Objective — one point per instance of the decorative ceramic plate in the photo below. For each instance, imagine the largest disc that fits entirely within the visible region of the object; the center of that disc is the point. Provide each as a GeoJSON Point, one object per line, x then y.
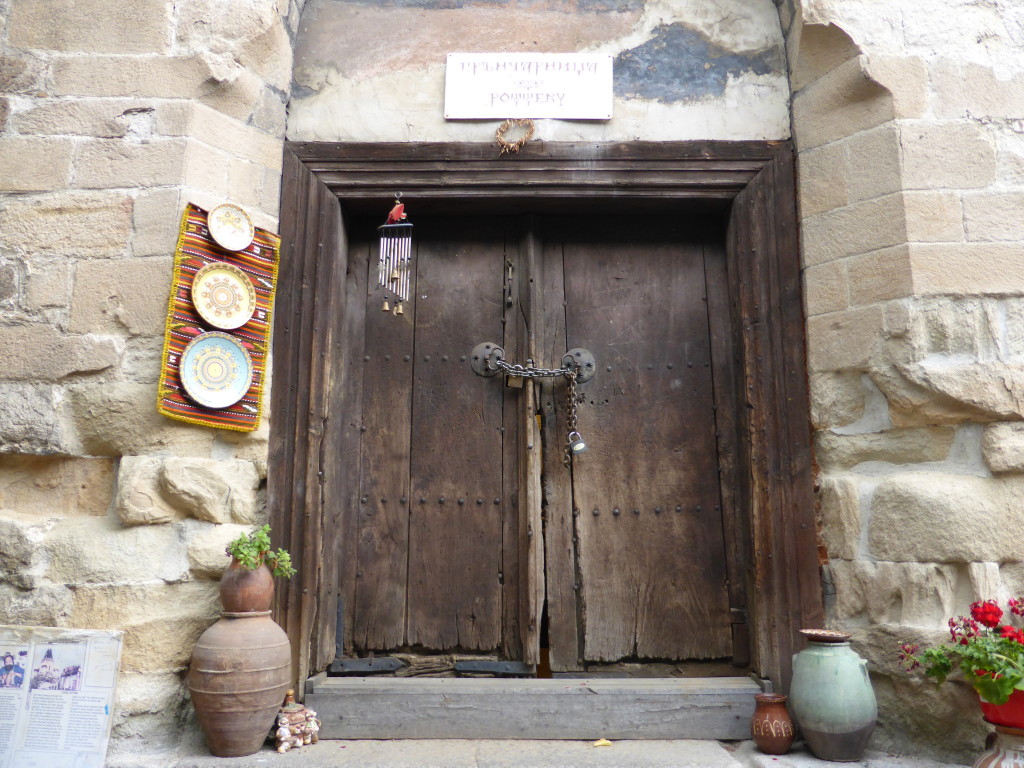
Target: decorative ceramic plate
{"type": "Point", "coordinates": [825, 635]}
{"type": "Point", "coordinates": [216, 371]}
{"type": "Point", "coordinates": [223, 295]}
{"type": "Point", "coordinates": [230, 226]}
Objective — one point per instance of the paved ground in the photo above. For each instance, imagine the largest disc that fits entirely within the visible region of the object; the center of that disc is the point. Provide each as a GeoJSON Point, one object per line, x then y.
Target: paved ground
{"type": "Point", "coordinates": [511, 754]}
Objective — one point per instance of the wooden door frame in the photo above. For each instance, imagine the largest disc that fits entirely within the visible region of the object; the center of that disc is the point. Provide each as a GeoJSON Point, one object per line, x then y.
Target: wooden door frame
{"type": "Point", "coordinates": [756, 179]}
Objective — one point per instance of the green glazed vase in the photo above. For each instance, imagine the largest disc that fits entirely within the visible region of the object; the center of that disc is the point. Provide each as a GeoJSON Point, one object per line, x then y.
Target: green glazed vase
{"type": "Point", "coordinates": [831, 697]}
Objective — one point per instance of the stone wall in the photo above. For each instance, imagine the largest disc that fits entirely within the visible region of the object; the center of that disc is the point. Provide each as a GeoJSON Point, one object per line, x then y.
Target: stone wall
{"type": "Point", "coordinates": [910, 131]}
{"type": "Point", "coordinates": [112, 117]}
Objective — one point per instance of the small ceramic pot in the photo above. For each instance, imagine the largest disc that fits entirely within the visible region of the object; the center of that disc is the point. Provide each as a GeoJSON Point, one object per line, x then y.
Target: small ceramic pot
{"type": "Point", "coordinates": [242, 589]}
{"type": "Point", "coordinates": [1007, 752]}
{"type": "Point", "coordinates": [771, 727]}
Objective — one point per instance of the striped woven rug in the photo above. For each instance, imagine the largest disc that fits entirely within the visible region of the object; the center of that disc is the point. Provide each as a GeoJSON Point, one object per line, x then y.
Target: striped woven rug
{"type": "Point", "coordinates": [196, 249]}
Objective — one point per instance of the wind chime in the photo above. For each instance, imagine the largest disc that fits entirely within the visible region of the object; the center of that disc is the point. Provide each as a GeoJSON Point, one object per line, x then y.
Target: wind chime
{"type": "Point", "coordinates": [395, 267]}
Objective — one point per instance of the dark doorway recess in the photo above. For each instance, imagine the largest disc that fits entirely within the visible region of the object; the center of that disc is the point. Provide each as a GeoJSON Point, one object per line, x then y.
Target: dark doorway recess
{"type": "Point", "coordinates": [685, 534]}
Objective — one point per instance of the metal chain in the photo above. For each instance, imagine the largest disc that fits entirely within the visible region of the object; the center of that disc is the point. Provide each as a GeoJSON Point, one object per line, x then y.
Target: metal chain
{"type": "Point", "coordinates": [529, 372]}
{"type": "Point", "coordinates": [570, 409]}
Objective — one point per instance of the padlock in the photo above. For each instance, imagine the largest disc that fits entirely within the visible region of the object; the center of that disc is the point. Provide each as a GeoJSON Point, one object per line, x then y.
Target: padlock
{"type": "Point", "coordinates": [576, 444]}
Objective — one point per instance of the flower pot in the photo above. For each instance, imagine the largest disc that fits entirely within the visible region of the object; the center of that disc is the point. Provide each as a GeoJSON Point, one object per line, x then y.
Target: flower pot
{"type": "Point", "coordinates": [1009, 714]}
{"type": "Point", "coordinates": [831, 697]}
{"type": "Point", "coordinates": [240, 672]}
{"type": "Point", "coordinates": [242, 589]}
{"type": "Point", "coordinates": [771, 726]}
{"type": "Point", "coordinates": [1007, 752]}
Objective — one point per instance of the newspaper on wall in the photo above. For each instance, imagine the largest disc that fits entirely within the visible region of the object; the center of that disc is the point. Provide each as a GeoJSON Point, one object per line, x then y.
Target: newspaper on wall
{"type": "Point", "coordinates": [56, 696]}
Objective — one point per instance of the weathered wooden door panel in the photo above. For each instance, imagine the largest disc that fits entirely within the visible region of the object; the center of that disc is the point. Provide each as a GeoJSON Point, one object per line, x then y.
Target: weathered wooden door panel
{"type": "Point", "coordinates": [432, 510]}
{"type": "Point", "coordinates": [455, 536]}
{"type": "Point", "coordinates": [651, 553]}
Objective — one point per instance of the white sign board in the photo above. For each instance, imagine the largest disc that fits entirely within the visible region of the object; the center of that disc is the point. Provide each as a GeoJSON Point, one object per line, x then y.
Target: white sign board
{"type": "Point", "coordinates": [56, 696]}
{"type": "Point", "coordinates": [571, 86]}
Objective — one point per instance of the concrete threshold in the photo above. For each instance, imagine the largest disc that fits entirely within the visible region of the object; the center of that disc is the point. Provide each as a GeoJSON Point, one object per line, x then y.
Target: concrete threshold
{"type": "Point", "coordinates": [519, 753]}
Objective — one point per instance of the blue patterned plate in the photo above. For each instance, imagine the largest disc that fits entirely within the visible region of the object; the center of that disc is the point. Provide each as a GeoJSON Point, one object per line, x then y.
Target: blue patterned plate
{"type": "Point", "coordinates": [216, 370]}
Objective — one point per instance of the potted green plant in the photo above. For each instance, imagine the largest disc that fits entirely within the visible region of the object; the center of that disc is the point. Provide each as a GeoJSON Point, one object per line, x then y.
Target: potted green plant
{"type": "Point", "coordinates": [988, 650]}
{"type": "Point", "coordinates": [248, 582]}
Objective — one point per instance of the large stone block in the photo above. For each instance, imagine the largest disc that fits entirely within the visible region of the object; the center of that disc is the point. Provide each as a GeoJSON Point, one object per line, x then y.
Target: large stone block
{"type": "Point", "coordinates": [47, 605]}
{"type": "Point", "coordinates": [42, 353]}
{"type": "Point", "coordinates": [68, 224]}
{"type": "Point", "coordinates": [91, 26]}
{"type": "Point", "coordinates": [156, 218]}
{"type": "Point", "coordinates": [137, 76]}
{"type": "Point", "coordinates": [89, 550]}
{"type": "Point", "coordinates": [972, 90]}
{"type": "Point", "coordinates": [148, 712]}
{"type": "Point", "coordinates": [219, 491]}
{"type": "Point", "coordinates": [28, 420]}
{"type": "Point", "coordinates": [880, 275]}
{"type": "Point", "coordinates": [956, 328]}
{"type": "Point", "coordinates": [859, 228]}
{"type": "Point", "coordinates": [207, 547]}
{"type": "Point", "coordinates": [114, 163]}
{"type": "Point", "coordinates": [237, 96]}
{"type": "Point", "coordinates": [934, 217]}
{"type": "Point", "coordinates": [839, 502]}
{"type": "Point", "coordinates": [139, 500]}
{"type": "Point", "coordinates": [33, 164]}
{"type": "Point", "coordinates": [1003, 447]}
{"type": "Point", "coordinates": [843, 340]}
{"type": "Point", "coordinates": [122, 296]}
{"type": "Point", "coordinates": [56, 486]}
{"type": "Point", "coordinates": [220, 131]}
{"type": "Point", "coordinates": [102, 118]}
{"type": "Point", "coordinates": [967, 269]}
{"type": "Point", "coordinates": [907, 594]}
{"type": "Point", "coordinates": [839, 104]}
{"type": "Point", "coordinates": [942, 518]}
{"type": "Point", "coordinates": [48, 284]}
{"type": "Point", "coordinates": [986, 391]}
{"type": "Point", "coordinates": [906, 79]}
{"type": "Point", "coordinates": [994, 215]}
{"type": "Point", "coordinates": [837, 398]}
{"type": "Point", "coordinates": [898, 446]}
{"type": "Point", "coordinates": [956, 155]}
{"type": "Point", "coordinates": [120, 419]}
{"type": "Point", "coordinates": [21, 558]}
{"type": "Point", "coordinates": [269, 54]}
{"type": "Point", "coordinates": [161, 622]}
{"type": "Point", "coordinates": [827, 287]}
{"type": "Point", "coordinates": [19, 74]}
{"type": "Point", "coordinates": [207, 168]}
{"type": "Point", "coordinates": [874, 163]}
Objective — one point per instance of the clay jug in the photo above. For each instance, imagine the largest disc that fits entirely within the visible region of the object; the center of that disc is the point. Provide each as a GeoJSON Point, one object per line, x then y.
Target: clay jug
{"type": "Point", "coordinates": [1007, 752]}
{"type": "Point", "coordinates": [244, 589]}
{"type": "Point", "coordinates": [831, 697]}
{"type": "Point", "coordinates": [771, 726]}
{"type": "Point", "coordinates": [240, 672]}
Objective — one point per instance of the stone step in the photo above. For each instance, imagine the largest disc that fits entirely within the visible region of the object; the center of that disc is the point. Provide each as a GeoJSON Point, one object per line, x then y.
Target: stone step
{"type": "Point", "coordinates": [436, 753]}
{"type": "Point", "coordinates": [488, 708]}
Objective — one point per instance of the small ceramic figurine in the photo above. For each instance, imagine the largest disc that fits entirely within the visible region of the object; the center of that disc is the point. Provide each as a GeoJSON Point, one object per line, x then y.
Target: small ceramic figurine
{"type": "Point", "coordinates": [312, 729]}
{"type": "Point", "coordinates": [285, 739]}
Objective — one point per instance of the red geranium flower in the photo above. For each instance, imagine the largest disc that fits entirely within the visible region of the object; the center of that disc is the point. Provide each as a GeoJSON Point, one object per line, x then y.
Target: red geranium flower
{"type": "Point", "coordinates": [1012, 633]}
{"type": "Point", "coordinates": [1017, 606]}
{"type": "Point", "coordinates": [986, 612]}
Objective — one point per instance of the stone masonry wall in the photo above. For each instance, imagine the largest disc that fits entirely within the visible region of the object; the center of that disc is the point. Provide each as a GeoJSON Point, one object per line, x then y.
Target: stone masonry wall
{"type": "Point", "coordinates": [910, 128]}
{"type": "Point", "coordinates": [112, 117]}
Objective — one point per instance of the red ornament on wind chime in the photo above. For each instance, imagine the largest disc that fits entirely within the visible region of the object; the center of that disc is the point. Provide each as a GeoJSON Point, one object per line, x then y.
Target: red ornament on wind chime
{"type": "Point", "coordinates": [395, 265]}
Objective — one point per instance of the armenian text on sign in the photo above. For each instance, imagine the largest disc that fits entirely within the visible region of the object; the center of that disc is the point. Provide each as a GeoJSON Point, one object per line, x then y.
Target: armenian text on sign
{"type": "Point", "coordinates": [572, 86]}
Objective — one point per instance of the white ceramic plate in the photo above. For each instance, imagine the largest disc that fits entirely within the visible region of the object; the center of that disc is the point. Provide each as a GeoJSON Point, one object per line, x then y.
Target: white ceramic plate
{"type": "Point", "coordinates": [215, 370]}
{"type": "Point", "coordinates": [223, 295]}
{"type": "Point", "coordinates": [230, 227]}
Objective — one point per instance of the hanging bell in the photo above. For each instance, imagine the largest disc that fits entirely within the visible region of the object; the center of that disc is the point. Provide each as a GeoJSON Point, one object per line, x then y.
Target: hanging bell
{"type": "Point", "coordinates": [576, 444]}
{"type": "Point", "coordinates": [398, 309]}
{"type": "Point", "coordinates": [385, 307]}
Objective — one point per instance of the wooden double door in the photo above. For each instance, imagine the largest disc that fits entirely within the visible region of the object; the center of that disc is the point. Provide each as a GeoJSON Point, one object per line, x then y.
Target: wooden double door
{"type": "Point", "coordinates": [467, 531]}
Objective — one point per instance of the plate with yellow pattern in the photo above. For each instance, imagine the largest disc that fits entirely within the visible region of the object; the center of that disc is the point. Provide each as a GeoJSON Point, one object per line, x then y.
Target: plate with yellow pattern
{"type": "Point", "coordinates": [223, 295]}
